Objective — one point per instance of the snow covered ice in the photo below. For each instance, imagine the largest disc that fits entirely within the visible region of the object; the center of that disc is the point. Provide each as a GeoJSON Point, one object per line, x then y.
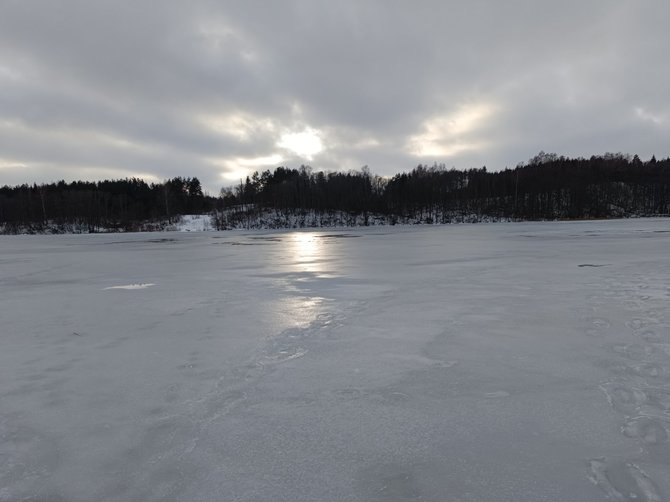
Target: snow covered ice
{"type": "Point", "coordinates": [515, 362]}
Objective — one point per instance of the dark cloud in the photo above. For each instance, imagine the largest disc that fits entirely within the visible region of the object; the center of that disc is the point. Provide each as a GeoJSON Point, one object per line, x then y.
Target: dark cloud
{"type": "Point", "coordinates": [217, 89]}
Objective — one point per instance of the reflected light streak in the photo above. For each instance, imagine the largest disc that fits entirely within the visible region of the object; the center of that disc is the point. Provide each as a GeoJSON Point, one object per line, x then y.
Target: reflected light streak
{"type": "Point", "coordinates": [305, 253]}
{"type": "Point", "coordinates": [306, 250]}
{"type": "Point", "coordinates": [308, 254]}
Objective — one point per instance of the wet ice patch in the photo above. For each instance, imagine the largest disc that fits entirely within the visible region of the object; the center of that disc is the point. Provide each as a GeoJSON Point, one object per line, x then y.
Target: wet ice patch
{"type": "Point", "coordinates": [497, 394]}
{"type": "Point", "coordinates": [142, 285]}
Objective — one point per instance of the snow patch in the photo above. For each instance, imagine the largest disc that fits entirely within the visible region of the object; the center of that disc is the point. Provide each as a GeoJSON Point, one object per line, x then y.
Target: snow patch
{"type": "Point", "coordinates": [143, 285]}
{"type": "Point", "coordinates": [194, 223]}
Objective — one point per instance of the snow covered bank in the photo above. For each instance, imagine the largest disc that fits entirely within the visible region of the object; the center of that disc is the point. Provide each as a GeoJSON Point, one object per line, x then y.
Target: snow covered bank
{"type": "Point", "coordinates": [194, 223]}
{"type": "Point", "coordinates": [252, 218]}
{"type": "Point", "coordinates": [248, 217]}
{"type": "Point", "coordinates": [185, 223]}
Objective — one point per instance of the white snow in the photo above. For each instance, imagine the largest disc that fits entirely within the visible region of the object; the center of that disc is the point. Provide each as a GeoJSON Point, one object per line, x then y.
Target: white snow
{"type": "Point", "coordinates": [483, 362]}
{"type": "Point", "coordinates": [132, 286]}
{"type": "Point", "coordinates": [194, 223]}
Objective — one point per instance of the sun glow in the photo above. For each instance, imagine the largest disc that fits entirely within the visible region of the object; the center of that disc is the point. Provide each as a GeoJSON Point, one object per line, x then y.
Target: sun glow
{"type": "Point", "coordinates": [306, 143]}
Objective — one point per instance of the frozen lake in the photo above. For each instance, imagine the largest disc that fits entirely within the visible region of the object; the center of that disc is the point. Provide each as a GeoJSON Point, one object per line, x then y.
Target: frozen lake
{"type": "Point", "coordinates": [503, 362]}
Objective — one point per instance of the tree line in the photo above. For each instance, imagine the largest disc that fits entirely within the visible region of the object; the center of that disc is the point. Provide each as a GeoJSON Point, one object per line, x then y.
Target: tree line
{"type": "Point", "coordinates": [112, 204]}
{"type": "Point", "coordinates": [547, 187]}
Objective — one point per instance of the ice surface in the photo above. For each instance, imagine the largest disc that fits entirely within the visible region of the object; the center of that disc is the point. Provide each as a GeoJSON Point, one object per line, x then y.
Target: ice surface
{"type": "Point", "coordinates": [520, 362]}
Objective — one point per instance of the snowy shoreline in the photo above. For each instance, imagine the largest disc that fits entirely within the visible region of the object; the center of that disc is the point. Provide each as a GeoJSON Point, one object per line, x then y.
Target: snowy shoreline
{"type": "Point", "coordinates": [273, 220]}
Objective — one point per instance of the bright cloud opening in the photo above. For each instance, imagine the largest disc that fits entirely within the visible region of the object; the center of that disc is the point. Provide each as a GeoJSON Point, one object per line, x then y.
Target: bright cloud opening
{"type": "Point", "coordinates": [451, 134]}
{"type": "Point", "coordinates": [647, 116]}
{"type": "Point", "coordinates": [305, 144]}
{"type": "Point", "coordinates": [11, 164]}
{"type": "Point", "coordinates": [9, 74]}
{"type": "Point", "coordinates": [240, 126]}
{"type": "Point", "coordinates": [240, 167]}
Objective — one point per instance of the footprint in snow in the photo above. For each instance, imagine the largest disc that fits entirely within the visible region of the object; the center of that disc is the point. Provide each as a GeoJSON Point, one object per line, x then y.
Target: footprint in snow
{"type": "Point", "coordinates": [648, 429]}
{"type": "Point", "coordinates": [623, 398]}
{"type": "Point", "coordinates": [648, 335]}
{"type": "Point", "coordinates": [634, 351]}
{"type": "Point", "coordinates": [599, 326]}
{"type": "Point", "coordinates": [636, 324]}
{"type": "Point", "coordinates": [623, 481]}
{"type": "Point", "coordinates": [659, 398]}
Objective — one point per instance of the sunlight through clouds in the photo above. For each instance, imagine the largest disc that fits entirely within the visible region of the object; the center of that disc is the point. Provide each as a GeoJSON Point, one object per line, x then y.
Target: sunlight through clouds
{"type": "Point", "coordinates": [239, 168]}
{"type": "Point", "coordinates": [647, 116]}
{"type": "Point", "coordinates": [165, 87]}
{"type": "Point", "coordinates": [219, 37]}
{"type": "Point", "coordinates": [8, 73]}
{"type": "Point", "coordinates": [446, 135]}
{"type": "Point", "coordinates": [240, 126]}
{"type": "Point", "coordinates": [244, 128]}
{"type": "Point", "coordinates": [11, 164]}
{"type": "Point", "coordinates": [306, 143]}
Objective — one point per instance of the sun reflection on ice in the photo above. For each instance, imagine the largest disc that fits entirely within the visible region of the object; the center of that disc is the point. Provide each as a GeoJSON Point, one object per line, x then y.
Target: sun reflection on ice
{"type": "Point", "coordinates": [306, 251]}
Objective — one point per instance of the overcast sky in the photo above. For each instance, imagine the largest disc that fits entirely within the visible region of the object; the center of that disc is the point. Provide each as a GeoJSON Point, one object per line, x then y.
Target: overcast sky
{"type": "Point", "coordinates": [95, 89]}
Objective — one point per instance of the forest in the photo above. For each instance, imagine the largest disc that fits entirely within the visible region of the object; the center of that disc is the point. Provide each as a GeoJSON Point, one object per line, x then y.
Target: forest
{"type": "Point", "coordinates": [111, 205]}
{"type": "Point", "coordinates": [547, 187]}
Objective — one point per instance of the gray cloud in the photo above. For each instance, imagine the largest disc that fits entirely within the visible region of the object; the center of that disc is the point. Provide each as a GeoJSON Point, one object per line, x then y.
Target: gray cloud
{"type": "Point", "coordinates": [218, 89]}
